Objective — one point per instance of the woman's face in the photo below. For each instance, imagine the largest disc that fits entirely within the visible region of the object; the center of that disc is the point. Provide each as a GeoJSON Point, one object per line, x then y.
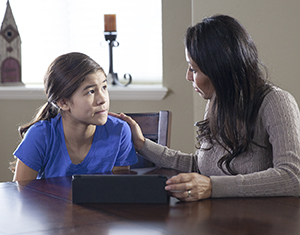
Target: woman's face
{"type": "Point", "coordinates": [201, 82]}
{"type": "Point", "coordinates": [90, 102]}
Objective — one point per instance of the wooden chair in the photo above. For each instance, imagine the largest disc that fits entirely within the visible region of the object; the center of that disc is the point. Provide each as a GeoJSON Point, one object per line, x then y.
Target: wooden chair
{"type": "Point", "coordinates": [156, 127]}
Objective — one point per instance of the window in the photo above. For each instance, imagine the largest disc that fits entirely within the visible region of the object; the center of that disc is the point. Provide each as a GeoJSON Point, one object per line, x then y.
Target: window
{"type": "Point", "coordinates": [51, 28]}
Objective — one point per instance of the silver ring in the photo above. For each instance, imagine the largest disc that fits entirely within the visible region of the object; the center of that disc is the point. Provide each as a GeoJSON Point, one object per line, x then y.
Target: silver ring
{"type": "Point", "coordinates": [190, 193]}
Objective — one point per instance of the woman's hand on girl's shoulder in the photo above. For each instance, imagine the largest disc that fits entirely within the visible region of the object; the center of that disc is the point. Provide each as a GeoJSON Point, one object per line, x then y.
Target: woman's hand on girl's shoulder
{"type": "Point", "coordinates": [137, 134]}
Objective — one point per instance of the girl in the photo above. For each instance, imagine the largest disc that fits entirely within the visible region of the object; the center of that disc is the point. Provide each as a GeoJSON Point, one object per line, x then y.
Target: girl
{"type": "Point", "coordinates": [72, 133]}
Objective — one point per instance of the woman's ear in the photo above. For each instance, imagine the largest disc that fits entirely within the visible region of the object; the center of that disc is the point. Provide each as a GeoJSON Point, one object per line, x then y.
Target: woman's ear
{"type": "Point", "coordinates": [63, 104]}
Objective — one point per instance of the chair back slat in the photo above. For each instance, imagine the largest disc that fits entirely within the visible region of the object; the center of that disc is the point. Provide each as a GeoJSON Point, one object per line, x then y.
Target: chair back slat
{"type": "Point", "coordinates": [156, 127]}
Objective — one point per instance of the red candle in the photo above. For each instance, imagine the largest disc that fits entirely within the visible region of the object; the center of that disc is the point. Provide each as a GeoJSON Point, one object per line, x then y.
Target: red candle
{"type": "Point", "coordinates": [110, 23]}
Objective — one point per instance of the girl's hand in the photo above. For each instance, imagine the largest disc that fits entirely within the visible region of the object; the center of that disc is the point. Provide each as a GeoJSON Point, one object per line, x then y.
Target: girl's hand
{"type": "Point", "coordinates": [189, 187]}
{"type": "Point", "coordinates": [137, 135]}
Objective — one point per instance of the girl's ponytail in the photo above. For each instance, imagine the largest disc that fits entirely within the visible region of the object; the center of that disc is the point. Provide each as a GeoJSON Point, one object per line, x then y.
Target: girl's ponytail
{"type": "Point", "coordinates": [46, 112]}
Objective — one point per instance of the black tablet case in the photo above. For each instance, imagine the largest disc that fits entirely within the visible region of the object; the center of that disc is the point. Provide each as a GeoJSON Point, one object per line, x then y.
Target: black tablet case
{"type": "Point", "coordinates": [119, 189]}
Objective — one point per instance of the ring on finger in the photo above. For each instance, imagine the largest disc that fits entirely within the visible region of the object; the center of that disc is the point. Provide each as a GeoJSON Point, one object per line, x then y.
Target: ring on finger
{"type": "Point", "coordinates": [190, 193]}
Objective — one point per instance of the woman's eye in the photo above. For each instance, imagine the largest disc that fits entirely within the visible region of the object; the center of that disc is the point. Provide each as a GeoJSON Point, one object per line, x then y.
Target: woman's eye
{"type": "Point", "coordinates": [191, 69]}
{"type": "Point", "coordinates": [104, 87]}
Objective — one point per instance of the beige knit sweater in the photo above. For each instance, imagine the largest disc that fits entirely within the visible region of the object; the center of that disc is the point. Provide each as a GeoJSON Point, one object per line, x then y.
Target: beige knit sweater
{"type": "Point", "coordinates": [271, 171]}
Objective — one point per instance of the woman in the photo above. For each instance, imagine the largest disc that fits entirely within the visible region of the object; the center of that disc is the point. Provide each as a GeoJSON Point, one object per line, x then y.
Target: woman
{"type": "Point", "coordinates": [249, 141]}
{"type": "Point", "coordinates": [72, 133]}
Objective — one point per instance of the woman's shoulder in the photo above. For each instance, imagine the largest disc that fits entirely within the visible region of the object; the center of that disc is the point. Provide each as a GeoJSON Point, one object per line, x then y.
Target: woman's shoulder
{"type": "Point", "coordinates": [278, 95]}
{"type": "Point", "coordinates": [279, 101]}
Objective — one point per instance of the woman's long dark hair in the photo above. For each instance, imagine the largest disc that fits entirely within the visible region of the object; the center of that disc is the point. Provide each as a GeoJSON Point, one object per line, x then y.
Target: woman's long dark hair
{"type": "Point", "coordinates": [63, 77]}
{"type": "Point", "coordinates": [225, 52]}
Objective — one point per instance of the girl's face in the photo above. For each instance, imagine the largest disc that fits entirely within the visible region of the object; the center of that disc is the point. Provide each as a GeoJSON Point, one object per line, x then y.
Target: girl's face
{"type": "Point", "coordinates": [90, 102]}
{"type": "Point", "coordinates": [201, 82]}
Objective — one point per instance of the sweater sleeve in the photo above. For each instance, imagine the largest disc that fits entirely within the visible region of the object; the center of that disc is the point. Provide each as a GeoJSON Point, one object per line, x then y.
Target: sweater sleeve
{"type": "Point", "coordinates": [168, 158]}
{"type": "Point", "coordinates": [281, 119]}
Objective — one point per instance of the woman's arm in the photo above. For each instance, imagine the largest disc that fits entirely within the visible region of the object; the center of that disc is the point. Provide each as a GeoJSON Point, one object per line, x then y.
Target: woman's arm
{"type": "Point", "coordinates": [160, 155]}
{"type": "Point", "coordinates": [24, 172]}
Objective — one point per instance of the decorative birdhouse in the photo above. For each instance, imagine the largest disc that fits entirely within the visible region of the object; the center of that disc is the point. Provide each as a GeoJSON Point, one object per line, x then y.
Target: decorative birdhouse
{"type": "Point", "coordinates": [10, 51]}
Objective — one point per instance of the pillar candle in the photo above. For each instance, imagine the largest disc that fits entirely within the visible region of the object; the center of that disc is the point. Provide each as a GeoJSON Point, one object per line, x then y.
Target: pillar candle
{"type": "Point", "coordinates": [110, 23]}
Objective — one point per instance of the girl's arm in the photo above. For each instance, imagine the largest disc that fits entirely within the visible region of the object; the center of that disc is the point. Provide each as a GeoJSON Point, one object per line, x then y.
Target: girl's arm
{"type": "Point", "coordinates": [24, 172]}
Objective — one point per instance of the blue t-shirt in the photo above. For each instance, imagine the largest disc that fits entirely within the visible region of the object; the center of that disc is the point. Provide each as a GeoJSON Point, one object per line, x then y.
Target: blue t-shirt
{"type": "Point", "coordinates": [44, 149]}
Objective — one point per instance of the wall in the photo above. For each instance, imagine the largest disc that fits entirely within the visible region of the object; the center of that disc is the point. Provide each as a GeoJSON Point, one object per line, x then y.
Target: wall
{"type": "Point", "coordinates": [13, 113]}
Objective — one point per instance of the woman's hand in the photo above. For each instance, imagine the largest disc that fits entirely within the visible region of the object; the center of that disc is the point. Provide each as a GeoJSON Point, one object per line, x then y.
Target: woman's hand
{"type": "Point", "coordinates": [137, 135]}
{"type": "Point", "coordinates": [189, 187]}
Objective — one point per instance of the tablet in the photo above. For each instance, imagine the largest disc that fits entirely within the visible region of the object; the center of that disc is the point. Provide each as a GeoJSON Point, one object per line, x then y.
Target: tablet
{"type": "Point", "coordinates": [119, 189]}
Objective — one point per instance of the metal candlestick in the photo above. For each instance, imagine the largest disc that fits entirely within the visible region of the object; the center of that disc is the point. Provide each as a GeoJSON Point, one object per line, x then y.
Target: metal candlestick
{"type": "Point", "coordinates": [110, 37]}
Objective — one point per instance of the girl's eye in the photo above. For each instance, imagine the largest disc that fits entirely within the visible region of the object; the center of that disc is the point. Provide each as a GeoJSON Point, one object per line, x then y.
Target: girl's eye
{"type": "Point", "coordinates": [91, 92]}
{"type": "Point", "coordinates": [104, 87]}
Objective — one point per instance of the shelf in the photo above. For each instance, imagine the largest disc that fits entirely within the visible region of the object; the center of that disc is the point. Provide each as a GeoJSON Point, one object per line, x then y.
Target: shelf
{"type": "Point", "coordinates": [132, 92]}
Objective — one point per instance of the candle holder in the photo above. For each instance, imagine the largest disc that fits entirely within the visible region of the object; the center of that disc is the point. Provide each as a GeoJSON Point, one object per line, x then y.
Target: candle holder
{"type": "Point", "coordinates": [112, 77]}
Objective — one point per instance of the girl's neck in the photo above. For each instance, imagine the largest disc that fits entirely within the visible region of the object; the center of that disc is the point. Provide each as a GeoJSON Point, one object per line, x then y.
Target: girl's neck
{"type": "Point", "coordinates": [78, 134]}
{"type": "Point", "coordinates": [78, 139]}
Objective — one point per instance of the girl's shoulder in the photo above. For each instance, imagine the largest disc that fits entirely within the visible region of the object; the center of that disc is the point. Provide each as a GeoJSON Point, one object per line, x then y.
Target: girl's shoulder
{"type": "Point", "coordinates": [43, 127]}
{"type": "Point", "coordinates": [116, 126]}
{"type": "Point", "coordinates": [113, 121]}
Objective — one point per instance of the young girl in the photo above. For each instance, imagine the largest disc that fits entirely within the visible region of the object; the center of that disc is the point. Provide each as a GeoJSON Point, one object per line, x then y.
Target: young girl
{"type": "Point", "coordinates": [72, 133]}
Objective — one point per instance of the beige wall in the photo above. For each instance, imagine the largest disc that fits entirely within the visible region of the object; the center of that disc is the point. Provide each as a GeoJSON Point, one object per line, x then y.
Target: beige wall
{"type": "Point", "coordinates": [273, 25]}
{"type": "Point", "coordinates": [13, 113]}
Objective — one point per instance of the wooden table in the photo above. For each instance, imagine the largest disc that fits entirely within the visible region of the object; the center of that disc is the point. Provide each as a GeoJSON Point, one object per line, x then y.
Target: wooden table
{"type": "Point", "coordinates": [45, 207]}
